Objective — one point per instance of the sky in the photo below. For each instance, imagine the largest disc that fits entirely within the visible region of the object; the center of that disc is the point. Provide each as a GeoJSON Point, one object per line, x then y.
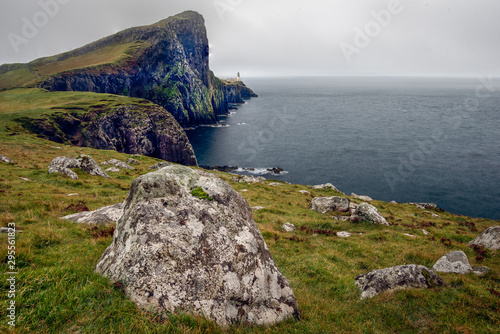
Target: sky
{"type": "Point", "coordinates": [281, 38]}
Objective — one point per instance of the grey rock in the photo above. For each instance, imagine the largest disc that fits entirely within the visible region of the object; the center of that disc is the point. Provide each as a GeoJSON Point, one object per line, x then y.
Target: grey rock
{"type": "Point", "coordinates": [453, 262]}
{"type": "Point", "coordinates": [113, 170]}
{"type": "Point", "coordinates": [63, 170]}
{"type": "Point", "coordinates": [257, 208]}
{"type": "Point", "coordinates": [362, 197]}
{"type": "Point", "coordinates": [326, 186]}
{"type": "Point", "coordinates": [481, 270]}
{"type": "Point", "coordinates": [397, 278]}
{"type": "Point", "coordinates": [90, 166]}
{"type": "Point", "coordinates": [288, 227]}
{"type": "Point", "coordinates": [425, 206]}
{"type": "Point", "coordinates": [132, 161]}
{"type": "Point", "coordinates": [174, 251]}
{"type": "Point", "coordinates": [64, 162]}
{"type": "Point", "coordinates": [489, 239]}
{"type": "Point", "coordinates": [120, 164]}
{"type": "Point", "coordinates": [369, 213]}
{"type": "Point", "coordinates": [394, 202]}
{"type": "Point", "coordinates": [108, 214]}
{"type": "Point", "coordinates": [105, 163]}
{"type": "Point", "coordinates": [3, 158]}
{"type": "Point", "coordinates": [343, 234]}
{"type": "Point", "coordinates": [425, 232]}
{"type": "Point", "coordinates": [305, 192]}
{"type": "Point", "coordinates": [159, 165]}
{"type": "Point", "coordinates": [248, 179]}
{"type": "Point", "coordinates": [275, 184]}
{"type": "Point", "coordinates": [326, 204]}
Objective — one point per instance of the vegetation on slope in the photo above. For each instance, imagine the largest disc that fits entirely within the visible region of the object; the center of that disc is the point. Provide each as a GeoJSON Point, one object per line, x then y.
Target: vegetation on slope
{"type": "Point", "coordinates": [58, 291]}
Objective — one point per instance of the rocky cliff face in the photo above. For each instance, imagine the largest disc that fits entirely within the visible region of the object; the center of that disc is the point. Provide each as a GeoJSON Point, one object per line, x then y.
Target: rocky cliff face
{"type": "Point", "coordinates": [166, 63]}
{"type": "Point", "coordinates": [135, 129]}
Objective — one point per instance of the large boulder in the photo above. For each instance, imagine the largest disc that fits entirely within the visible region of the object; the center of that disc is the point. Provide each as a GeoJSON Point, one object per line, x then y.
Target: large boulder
{"type": "Point", "coordinates": [326, 204]}
{"type": "Point", "coordinates": [453, 262]}
{"type": "Point", "coordinates": [397, 278]}
{"type": "Point", "coordinates": [369, 213]}
{"type": "Point", "coordinates": [108, 214]}
{"type": "Point", "coordinates": [62, 165]}
{"type": "Point", "coordinates": [187, 240]}
{"type": "Point", "coordinates": [489, 239]}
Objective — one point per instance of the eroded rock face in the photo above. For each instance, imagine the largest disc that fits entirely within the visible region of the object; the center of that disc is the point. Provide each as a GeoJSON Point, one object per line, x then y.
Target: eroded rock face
{"type": "Point", "coordinates": [108, 214]}
{"type": "Point", "coordinates": [326, 204]}
{"type": "Point", "coordinates": [453, 262]}
{"type": "Point", "coordinates": [489, 239]}
{"type": "Point", "coordinates": [202, 252]}
{"type": "Point", "coordinates": [397, 278]}
{"type": "Point", "coordinates": [369, 213]}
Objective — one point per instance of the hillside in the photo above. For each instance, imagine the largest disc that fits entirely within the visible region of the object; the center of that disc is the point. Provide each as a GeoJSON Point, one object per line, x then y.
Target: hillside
{"type": "Point", "coordinates": [166, 62]}
{"type": "Point", "coordinates": [58, 291]}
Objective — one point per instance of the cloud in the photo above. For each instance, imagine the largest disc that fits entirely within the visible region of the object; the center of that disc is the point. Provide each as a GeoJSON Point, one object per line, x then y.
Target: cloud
{"type": "Point", "coordinates": [257, 37]}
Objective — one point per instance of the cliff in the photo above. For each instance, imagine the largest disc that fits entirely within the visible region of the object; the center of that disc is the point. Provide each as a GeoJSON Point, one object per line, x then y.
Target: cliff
{"type": "Point", "coordinates": [166, 63]}
{"type": "Point", "coordinates": [108, 122]}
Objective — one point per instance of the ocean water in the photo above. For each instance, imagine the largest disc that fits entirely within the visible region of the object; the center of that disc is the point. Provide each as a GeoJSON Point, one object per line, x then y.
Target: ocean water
{"type": "Point", "coordinates": [403, 139]}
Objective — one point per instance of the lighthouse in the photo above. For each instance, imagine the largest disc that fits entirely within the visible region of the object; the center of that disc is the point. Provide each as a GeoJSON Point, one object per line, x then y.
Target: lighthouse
{"type": "Point", "coordinates": [238, 77]}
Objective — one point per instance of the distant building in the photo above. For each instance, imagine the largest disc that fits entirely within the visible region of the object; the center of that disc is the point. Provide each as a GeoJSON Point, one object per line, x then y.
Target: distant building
{"type": "Point", "coordinates": [237, 79]}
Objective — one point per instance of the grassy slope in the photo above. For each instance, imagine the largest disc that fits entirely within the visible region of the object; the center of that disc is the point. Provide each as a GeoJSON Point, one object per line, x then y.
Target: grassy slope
{"type": "Point", "coordinates": [59, 292]}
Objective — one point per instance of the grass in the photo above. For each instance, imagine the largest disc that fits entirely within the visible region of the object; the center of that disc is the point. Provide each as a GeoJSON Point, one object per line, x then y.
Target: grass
{"type": "Point", "coordinates": [58, 291]}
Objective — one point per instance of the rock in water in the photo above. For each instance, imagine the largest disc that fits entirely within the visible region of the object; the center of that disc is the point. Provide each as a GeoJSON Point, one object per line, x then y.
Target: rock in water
{"type": "Point", "coordinates": [325, 204]}
{"type": "Point", "coordinates": [397, 278]}
{"type": "Point", "coordinates": [489, 239]}
{"type": "Point", "coordinates": [369, 213]}
{"type": "Point", "coordinates": [187, 240]}
{"type": "Point", "coordinates": [453, 262]}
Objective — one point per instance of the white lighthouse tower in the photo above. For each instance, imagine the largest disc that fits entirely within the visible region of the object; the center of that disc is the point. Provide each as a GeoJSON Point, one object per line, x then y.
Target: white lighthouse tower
{"type": "Point", "coordinates": [238, 77]}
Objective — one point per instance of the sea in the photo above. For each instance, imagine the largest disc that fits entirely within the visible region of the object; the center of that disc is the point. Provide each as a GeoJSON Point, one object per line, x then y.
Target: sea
{"type": "Point", "coordinates": [407, 139]}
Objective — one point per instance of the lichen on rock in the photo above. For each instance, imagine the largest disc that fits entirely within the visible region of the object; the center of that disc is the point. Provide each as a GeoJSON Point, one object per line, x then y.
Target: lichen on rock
{"type": "Point", "coordinates": [173, 250]}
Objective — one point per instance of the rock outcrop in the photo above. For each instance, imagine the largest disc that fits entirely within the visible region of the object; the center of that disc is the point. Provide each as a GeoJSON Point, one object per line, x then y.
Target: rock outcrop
{"type": "Point", "coordinates": [86, 163]}
{"type": "Point", "coordinates": [108, 214]}
{"type": "Point", "coordinates": [141, 128]}
{"type": "Point", "coordinates": [369, 213]}
{"type": "Point", "coordinates": [187, 240]}
{"type": "Point", "coordinates": [490, 238]}
{"type": "Point", "coordinates": [90, 166]}
{"type": "Point", "coordinates": [397, 278]}
{"type": "Point", "coordinates": [326, 204]}
{"type": "Point", "coordinates": [120, 164]}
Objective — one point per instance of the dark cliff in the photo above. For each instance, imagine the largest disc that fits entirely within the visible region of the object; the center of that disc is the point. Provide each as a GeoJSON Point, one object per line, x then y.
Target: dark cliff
{"type": "Point", "coordinates": [138, 127]}
{"type": "Point", "coordinates": [166, 63]}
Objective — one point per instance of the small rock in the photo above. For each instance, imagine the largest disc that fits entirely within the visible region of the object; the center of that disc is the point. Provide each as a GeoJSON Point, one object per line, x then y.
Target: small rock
{"type": "Point", "coordinates": [369, 213]}
{"type": "Point", "coordinates": [113, 170]}
{"type": "Point", "coordinates": [275, 184]}
{"type": "Point", "coordinates": [363, 198]}
{"type": "Point", "coordinates": [65, 171]}
{"type": "Point", "coordinates": [288, 227]}
{"type": "Point", "coordinates": [75, 194]}
{"type": "Point", "coordinates": [131, 161]}
{"type": "Point", "coordinates": [303, 191]}
{"type": "Point", "coordinates": [120, 164]}
{"type": "Point", "coordinates": [343, 234]}
{"type": "Point", "coordinates": [341, 218]}
{"type": "Point", "coordinates": [489, 239]}
{"type": "Point", "coordinates": [256, 208]}
{"type": "Point", "coordinates": [275, 170]}
{"type": "Point", "coordinates": [25, 179]}
{"type": "Point", "coordinates": [425, 232]}
{"type": "Point", "coordinates": [3, 158]}
{"type": "Point", "coordinates": [159, 165]}
{"type": "Point", "coordinates": [453, 262]}
{"type": "Point", "coordinates": [435, 215]}
{"type": "Point", "coordinates": [57, 147]}
{"type": "Point", "coordinates": [409, 235]}
{"type": "Point", "coordinates": [326, 204]}
{"type": "Point", "coordinates": [105, 163]}
{"type": "Point", "coordinates": [248, 179]}
{"type": "Point", "coordinates": [327, 186]}
{"type": "Point", "coordinates": [90, 166]}
{"type": "Point", "coordinates": [105, 215]}
{"type": "Point", "coordinates": [481, 270]}
{"type": "Point", "coordinates": [425, 206]}
{"type": "Point", "coordinates": [243, 190]}
{"type": "Point", "coordinates": [394, 202]}
{"type": "Point", "coordinates": [397, 278]}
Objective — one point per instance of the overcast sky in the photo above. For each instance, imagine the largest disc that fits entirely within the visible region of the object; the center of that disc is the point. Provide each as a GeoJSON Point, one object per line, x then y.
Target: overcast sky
{"type": "Point", "coordinates": [278, 37]}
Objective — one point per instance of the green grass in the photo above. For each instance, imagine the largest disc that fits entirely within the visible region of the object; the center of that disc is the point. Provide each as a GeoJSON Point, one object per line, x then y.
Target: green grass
{"type": "Point", "coordinates": [201, 194]}
{"type": "Point", "coordinates": [58, 291]}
